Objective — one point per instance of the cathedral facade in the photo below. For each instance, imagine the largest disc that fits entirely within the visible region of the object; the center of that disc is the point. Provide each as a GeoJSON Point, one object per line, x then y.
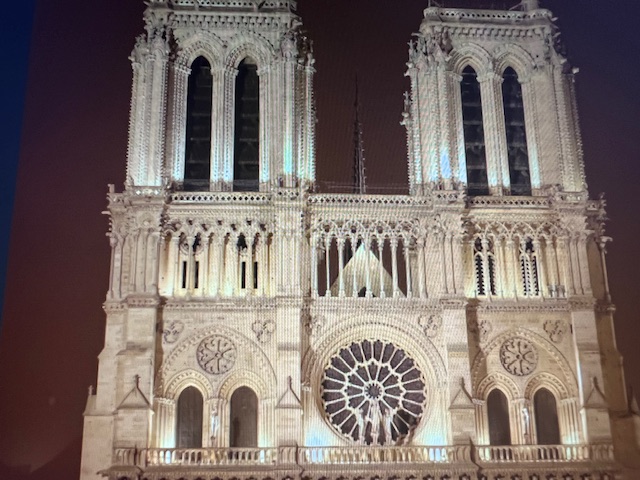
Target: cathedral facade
{"type": "Point", "coordinates": [259, 329]}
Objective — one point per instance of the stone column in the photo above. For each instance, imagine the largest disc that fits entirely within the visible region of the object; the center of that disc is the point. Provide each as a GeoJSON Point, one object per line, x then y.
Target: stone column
{"type": "Point", "coordinates": [495, 133]}
{"type": "Point", "coordinates": [381, 271]}
{"type": "Point", "coordinates": [341, 292]}
{"type": "Point", "coordinates": [314, 265]}
{"type": "Point", "coordinates": [394, 265]}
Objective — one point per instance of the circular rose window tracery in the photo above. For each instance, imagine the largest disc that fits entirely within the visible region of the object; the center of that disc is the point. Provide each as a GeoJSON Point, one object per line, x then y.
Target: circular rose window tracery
{"type": "Point", "coordinates": [216, 354]}
{"type": "Point", "coordinates": [373, 392]}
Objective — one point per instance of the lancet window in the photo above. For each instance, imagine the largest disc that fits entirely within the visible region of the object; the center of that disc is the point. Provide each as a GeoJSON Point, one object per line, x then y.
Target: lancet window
{"type": "Point", "coordinates": [498, 417]}
{"type": "Point", "coordinates": [198, 133]}
{"type": "Point", "coordinates": [529, 268]}
{"type": "Point", "coordinates": [518, 154]}
{"type": "Point", "coordinates": [485, 267]}
{"type": "Point", "coordinates": [246, 161]}
{"type": "Point", "coordinates": [475, 149]}
{"type": "Point", "coordinates": [546, 418]}
{"type": "Point", "coordinates": [189, 419]}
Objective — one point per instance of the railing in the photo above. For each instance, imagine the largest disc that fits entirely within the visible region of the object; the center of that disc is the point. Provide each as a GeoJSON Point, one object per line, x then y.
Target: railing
{"type": "Point", "coordinates": [251, 198]}
{"type": "Point", "coordinates": [195, 456]}
{"type": "Point", "coordinates": [222, 457]}
{"type": "Point", "coordinates": [367, 455]}
{"type": "Point", "coordinates": [506, 202]}
{"type": "Point", "coordinates": [545, 453]}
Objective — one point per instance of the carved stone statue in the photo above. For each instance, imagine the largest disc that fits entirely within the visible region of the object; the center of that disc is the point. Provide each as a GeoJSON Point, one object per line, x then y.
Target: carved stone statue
{"type": "Point", "coordinates": [361, 426]}
{"type": "Point", "coordinates": [374, 418]}
{"type": "Point", "coordinates": [215, 425]}
{"type": "Point", "coordinates": [387, 420]}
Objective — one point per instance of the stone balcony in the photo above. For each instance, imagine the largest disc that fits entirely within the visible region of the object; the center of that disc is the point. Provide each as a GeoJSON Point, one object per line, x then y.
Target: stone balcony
{"type": "Point", "coordinates": [465, 461]}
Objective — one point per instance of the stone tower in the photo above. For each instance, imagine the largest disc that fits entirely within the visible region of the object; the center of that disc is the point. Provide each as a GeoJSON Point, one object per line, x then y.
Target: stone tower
{"type": "Point", "coordinates": [259, 329]}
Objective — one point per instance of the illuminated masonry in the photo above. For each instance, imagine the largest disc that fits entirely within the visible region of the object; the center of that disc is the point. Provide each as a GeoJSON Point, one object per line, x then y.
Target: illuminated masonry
{"type": "Point", "coordinates": [258, 329]}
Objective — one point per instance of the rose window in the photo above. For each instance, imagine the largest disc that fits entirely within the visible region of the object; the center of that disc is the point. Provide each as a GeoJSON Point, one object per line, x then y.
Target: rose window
{"type": "Point", "coordinates": [216, 354]}
{"type": "Point", "coordinates": [518, 356]}
{"type": "Point", "coordinates": [373, 392]}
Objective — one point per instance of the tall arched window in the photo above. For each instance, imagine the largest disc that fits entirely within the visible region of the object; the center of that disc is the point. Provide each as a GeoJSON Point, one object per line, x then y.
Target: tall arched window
{"type": "Point", "coordinates": [197, 164]}
{"type": "Point", "coordinates": [498, 416]}
{"type": "Point", "coordinates": [244, 419]}
{"type": "Point", "coordinates": [477, 182]}
{"type": "Point", "coordinates": [518, 153]}
{"type": "Point", "coordinates": [546, 413]}
{"type": "Point", "coordinates": [189, 419]}
{"type": "Point", "coordinates": [246, 159]}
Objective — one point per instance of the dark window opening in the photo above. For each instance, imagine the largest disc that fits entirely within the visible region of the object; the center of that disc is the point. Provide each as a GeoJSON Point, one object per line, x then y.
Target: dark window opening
{"type": "Point", "coordinates": [243, 429]}
{"type": "Point", "coordinates": [196, 274]}
{"type": "Point", "coordinates": [189, 419]}
{"type": "Point", "coordinates": [184, 274]}
{"type": "Point", "coordinates": [498, 416]}
{"type": "Point", "coordinates": [243, 275]}
{"type": "Point", "coordinates": [198, 134]}
{"type": "Point", "coordinates": [546, 413]}
{"type": "Point", "coordinates": [246, 161]}
{"type": "Point", "coordinates": [518, 153]}
{"type": "Point", "coordinates": [475, 149]}
{"type": "Point", "coordinates": [255, 275]}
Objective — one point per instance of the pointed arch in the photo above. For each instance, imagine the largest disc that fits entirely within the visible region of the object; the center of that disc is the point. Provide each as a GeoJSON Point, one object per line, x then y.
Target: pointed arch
{"type": "Point", "coordinates": [249, 45]}
{"type": "Point", "coordinates": [187, 378]}
{"type": "Point", "coordinates": [200, 44]}
{"type": "Point", "coordinates": [514, 56]}
{"type": "Point", "coordinates": [470, 55]}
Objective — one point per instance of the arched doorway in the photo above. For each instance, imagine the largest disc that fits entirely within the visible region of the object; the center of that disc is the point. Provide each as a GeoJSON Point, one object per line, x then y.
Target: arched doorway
{"type": "Point", "coordinates": [189, 419]}
{"type": "Point", "coordinates": [243, 419]}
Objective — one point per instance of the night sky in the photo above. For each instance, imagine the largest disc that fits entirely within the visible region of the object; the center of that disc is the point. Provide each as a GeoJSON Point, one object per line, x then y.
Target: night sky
{"type": "Point", "coordinates": [74, 144]}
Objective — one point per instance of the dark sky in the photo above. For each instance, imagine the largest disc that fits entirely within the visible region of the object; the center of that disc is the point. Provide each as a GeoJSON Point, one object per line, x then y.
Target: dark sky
{"type": "Point", "coordinates": [74, 144]}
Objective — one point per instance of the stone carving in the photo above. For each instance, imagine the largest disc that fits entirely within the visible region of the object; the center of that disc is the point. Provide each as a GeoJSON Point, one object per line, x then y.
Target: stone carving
{"type": "Point", "coordinates": [216, 354]}
{"type": "Point", "coordinates": [315, 324]}
{"type": "Point", "coordinates": [373, 393]}
{"type": "Point", "coordinates": [171, 334]}
{"type": "Point", "coordinates": [430, 325]}
{"type": "Point", "coordinates": [263, 329]}
{"type": "Point", "coordinates": [556, 329]}
{"type": "Point", "coordinates": [519, 357]}
{"type": "Point", "coordinates": [484, 330]}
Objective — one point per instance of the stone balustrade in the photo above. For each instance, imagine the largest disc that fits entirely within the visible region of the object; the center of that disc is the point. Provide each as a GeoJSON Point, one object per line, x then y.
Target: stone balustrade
{"type": "Point", "coordinates": [222, 457]}
{"type": "Point", "coordinates": [544, 453]}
